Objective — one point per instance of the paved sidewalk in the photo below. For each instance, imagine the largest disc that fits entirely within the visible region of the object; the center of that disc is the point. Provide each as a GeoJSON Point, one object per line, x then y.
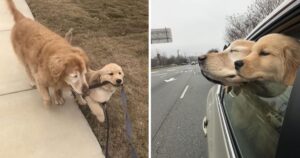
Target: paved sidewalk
{"type": "Point", "coordinates": [28, 129]}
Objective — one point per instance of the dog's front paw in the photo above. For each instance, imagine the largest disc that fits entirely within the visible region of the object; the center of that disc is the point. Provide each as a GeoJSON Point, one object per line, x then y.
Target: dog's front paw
{"type": "Point", "coordinates": [47, 103]}
{"type": "Point", "coordinates": [58, 100]}
{"type": "Point", "coordinates": [32, 84]}
{"type": "Point", "coordinates": [81, 101]}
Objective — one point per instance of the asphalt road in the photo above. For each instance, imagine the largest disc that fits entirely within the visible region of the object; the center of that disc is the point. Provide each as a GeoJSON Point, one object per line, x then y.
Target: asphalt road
{"type": "Point", "coordinates": [178, 107]}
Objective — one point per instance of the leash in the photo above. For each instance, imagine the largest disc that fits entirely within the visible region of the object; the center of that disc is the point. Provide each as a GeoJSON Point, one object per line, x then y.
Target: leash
{"type": "Point", "coordinates": [107, 127]}
{"type": "Point", "coordinates": [128, 125]}
{"type": "Point", "coordinates": [99, 84]}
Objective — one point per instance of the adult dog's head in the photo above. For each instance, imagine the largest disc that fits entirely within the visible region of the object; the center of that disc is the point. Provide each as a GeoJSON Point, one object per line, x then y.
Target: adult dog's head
{"type": "Point", "coordinates": [70, 67]}
{"type": "Point", "coordinates": [219, 67]}
{"type": "Point", "coordinates": [274, 57]}
{"type": "Point", "coordinates": [111, 73]}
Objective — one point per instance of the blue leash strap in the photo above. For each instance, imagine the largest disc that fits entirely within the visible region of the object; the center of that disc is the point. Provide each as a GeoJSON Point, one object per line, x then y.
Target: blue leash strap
{"type": "Point", "coordinates": [128, 125]}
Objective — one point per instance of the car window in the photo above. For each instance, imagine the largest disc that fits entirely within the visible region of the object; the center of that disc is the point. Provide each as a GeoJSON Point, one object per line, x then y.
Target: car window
{"type": "Point", "coordinates": [255, 113]}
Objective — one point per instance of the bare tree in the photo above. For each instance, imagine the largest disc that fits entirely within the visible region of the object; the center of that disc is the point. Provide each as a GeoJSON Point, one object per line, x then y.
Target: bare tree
{"type": "Point", "coordinates": [164, 60]}
{"type": "Point", "coordinates": [239, 25]}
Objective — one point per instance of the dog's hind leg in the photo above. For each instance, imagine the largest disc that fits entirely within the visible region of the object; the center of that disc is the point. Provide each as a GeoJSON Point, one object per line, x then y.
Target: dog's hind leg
{"type": "Point", "coordinates": [96, 109]}
{"type": "Point", "coordinates": [29, 74]}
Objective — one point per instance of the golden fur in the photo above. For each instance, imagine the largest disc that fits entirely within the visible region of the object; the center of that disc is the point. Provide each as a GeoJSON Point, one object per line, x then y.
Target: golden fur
{"type": "Point", "coordinates": [220, 66]}
{"type": "Point", "coordinates": [274, 57]}
{"type": "Point", "coordinates": [49, 60]}
{"type": "Point", "coordinates": [111, 73]}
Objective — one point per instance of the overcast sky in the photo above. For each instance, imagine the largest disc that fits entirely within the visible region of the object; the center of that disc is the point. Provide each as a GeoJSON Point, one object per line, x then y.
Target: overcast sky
{"type": "Point", "coordinates": [197, 25]}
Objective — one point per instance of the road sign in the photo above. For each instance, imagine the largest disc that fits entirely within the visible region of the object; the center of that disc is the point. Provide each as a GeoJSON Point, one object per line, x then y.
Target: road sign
{"type": "Point", "coordinates": [163, 35]}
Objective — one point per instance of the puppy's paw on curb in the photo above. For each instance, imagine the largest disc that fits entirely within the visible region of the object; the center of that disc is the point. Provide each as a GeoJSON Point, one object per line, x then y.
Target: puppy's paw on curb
{"type": "Point", "coordinates": [81, 101]}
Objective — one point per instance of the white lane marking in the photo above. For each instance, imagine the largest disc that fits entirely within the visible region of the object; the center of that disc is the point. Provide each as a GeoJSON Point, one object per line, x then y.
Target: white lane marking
{"type": "Point", "coordinates": [170, 79]}
{"type": "Point", "coordinates": [184, 91]}
{"type": "Point", "coordinates": [163, 76]}
{"type": "Point", "coordinates": [159, 74]}
{"type": "Point", "coordinates": [171, 70]}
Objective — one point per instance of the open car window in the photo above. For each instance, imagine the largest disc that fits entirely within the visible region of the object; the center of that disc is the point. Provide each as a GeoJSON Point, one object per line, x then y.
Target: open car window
{"type": "Point", "coordinates": [255, 111]}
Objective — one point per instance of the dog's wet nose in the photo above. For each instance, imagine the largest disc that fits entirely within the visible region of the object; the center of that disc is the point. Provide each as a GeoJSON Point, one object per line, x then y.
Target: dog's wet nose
{"type": "Point", "coordinates": [85, 90]}
{"type": "Point", "coordinates": [201, 59]}
{"type": "Point", "coordinates": [238, 64]}
{"type": "Point", "coordinates": [119, 81]}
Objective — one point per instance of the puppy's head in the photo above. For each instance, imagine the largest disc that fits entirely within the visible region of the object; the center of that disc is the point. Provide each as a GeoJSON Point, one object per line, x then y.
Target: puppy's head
{"type": "Point", "coordinates": [111, 73]}
{"type": "Point", "coordinates": [71, 69]}
{"type": "Point", "coordinates": [219, 67]}
{"type": "Point", "coordinates": [274, 57]}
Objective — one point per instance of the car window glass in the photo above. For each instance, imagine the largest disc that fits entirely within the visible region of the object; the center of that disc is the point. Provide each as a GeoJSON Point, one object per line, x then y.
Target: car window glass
{"type": "Point", "coordinates": [255, 113]}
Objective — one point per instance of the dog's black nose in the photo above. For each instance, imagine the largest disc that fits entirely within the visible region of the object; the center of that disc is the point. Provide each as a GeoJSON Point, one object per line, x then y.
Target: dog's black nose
{"type": "Point", "coordinates": [85, 90]}
{"type": "Point", "coordinates": [238, 64]}
{"type": "Point", "coordinates": [118, 81]}
{"type": "Point", "coordinates": [201, 59]}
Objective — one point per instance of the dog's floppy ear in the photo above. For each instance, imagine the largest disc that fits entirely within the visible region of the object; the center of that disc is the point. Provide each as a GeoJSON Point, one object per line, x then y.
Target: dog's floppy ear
{"type": "Point", "coordinates": [94, 78]}
{"type": "Point", "coordinates": [291, 62]}
{"type": "Point", "coordinates": [56, 65]}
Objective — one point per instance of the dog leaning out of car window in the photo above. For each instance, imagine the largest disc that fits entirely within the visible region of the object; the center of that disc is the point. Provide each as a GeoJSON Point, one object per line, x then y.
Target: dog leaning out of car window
{"type": "Point", "coordinates": [219, 67]}
{"type": "Point", "coordinates": [274, 57]}
{"type": "Point", "coordinates": [257, 105]}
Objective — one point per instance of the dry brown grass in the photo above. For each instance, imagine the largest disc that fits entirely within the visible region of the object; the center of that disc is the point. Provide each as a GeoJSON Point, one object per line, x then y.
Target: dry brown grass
{"type": "Point", "coordinates": [109, 31]}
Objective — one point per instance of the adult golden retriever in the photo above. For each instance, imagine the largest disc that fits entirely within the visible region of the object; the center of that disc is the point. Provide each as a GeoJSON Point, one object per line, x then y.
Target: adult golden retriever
{"type": "Point", "coordinates": [219, 67]}
{"type": "Point", "coordinates": [111, 73]}
{"type": "Point", "coordinates": [274, 57]}
{"type": "Point", "coordinates": [50, 61]}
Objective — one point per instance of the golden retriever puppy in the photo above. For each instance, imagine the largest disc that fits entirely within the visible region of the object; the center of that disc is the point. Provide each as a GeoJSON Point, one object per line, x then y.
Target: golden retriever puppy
{"type": "Point", "coordinates": [274, 57]}
{"type": "Point", "coordinates": [111, 73]}
{"type": "Point", "coordinates": [219, 67]}
{"type": "Point", "coordinates": [49, 60]}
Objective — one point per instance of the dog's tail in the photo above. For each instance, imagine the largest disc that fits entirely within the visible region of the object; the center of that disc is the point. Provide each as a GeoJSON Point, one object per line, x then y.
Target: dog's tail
{"type": "Point", "coordinates": [16, 13]}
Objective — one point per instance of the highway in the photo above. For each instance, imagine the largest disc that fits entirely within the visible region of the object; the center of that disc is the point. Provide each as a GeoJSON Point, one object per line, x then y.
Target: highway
{"type": "Point", "coordinates": [178, 100]}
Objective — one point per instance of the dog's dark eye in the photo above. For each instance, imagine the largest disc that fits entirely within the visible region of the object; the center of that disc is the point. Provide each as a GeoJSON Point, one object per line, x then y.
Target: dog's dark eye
{"type": "Point", "coordinates": [120, 73]}
{"type": "Point", "coordinates": [111, 74]}
{"type": "Point", "coordinates": [231, 76]}
{"type": "Point", "coordinates": [263, 53]}
{"type": "Point", "coordinates": [233, 50]}
{"type": "Point", "coordinates": [75, 76]}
